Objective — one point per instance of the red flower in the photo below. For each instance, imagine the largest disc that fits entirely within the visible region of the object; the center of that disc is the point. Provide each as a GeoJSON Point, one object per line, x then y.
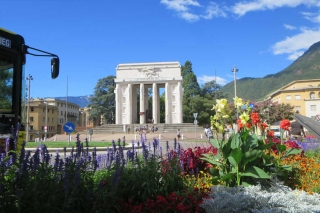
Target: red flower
{"type": "Point", "coordinates": [285, 124]}
{"type": "Point", "coordinates": [240, 124]}
{"type": "Point", "coordinates": [270, 134]}
{"type": "Point", "coordinates": [255, 118]}
{"type": "Point", "coordinates": [264, 126]}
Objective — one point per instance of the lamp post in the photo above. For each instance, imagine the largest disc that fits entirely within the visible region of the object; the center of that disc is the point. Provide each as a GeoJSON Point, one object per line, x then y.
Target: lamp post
{"type": "Point", "coordinates": [29, 78]}
{"type": "Point", "coordinates": [81, 119]}
{"type": "Point", "coordinates": [86, 125]}
{"type": "Point", "coordinates": [46, 122]}
{"type": "Point", "coordinates": [234, 70]}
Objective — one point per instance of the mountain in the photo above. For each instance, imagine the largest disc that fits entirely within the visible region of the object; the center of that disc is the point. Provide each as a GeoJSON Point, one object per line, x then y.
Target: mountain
{"type": "Point", "coordinates": [82, 101]}
{"type": "Point", "coordinates": [305, 67]}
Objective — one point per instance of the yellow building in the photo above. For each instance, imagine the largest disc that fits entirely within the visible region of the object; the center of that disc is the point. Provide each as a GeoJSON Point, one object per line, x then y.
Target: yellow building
{"type": "Point", "coordinates": [43, 119]}
{"type": "Point", "coordinates": [304, 95]}
{"type": "Point", "coordinates": [47, 117]}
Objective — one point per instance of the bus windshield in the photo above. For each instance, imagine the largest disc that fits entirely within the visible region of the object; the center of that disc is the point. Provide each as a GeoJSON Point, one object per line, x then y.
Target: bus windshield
{"type": "Point", "coordinates": [6, 85]}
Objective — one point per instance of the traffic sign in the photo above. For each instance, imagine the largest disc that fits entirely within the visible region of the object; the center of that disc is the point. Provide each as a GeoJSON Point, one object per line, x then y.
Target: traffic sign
{"type": "Point", "coordinates": [195, 122]}
{"type": "Point", "coordinates": [195, 115]}
{"type": "Point", "coordinates": [68, 127]}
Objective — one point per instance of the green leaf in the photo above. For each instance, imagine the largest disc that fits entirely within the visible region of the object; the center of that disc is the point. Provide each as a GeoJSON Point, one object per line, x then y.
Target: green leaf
{"type": "Point", "coordinates": [227, 177]}
{"type": "Point", "coordinates": [215, 143]}
{"type": "Point", "coordinates": [286, 167]}
{"type": "Point", "coordinates": [212, 161]}
{"type": "Point", "coordinates": [255, 172]}
{"type": "Point", "coordinates": [281, 148]}
{"type": "Point", "coordinates": [292, 151]}
{"type": "Point", "coordinates": [245, 184]}
{"type": "Point", "coordinates": [237, 155]}
{"type": "Point", "coordinates": [236, 141]}
{"type": "Point", "coordinates": [251, 155]}
{"type": "Point", "coordinates": [232, 161]}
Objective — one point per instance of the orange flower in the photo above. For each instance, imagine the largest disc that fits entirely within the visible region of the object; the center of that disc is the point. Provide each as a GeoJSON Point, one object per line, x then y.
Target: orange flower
{"type": "Point", "coordinates": [249, 125]}
{"type": "Point", "coordinates": [285, 124]}
{"type": "Point", "coordinates": [263, 126]}
{"type": "Point", "coordinates": [240, 124]}
{"type": "Point", "coordinates": [255, 118]}
{"type": "Point", "coordinates": [270, 134]}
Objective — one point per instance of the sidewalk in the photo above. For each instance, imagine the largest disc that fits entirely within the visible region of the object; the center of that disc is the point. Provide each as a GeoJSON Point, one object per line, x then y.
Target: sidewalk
{"type": "Point", "coordinates": [186, 141]}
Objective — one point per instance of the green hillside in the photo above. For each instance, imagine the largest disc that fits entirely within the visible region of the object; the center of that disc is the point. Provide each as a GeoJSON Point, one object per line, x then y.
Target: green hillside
{"type": "Point", "coordinates": [305, 67]}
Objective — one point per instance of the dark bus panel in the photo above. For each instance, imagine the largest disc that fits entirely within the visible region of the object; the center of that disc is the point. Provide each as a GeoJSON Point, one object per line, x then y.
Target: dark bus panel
{"type": "Point", "coordinates": [12, 89]}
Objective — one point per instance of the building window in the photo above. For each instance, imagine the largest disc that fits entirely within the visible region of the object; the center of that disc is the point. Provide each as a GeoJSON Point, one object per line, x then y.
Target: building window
{"type": "Point", "coordinates": [288, 97]}
{"type": "Point", "coordinates": [52, 111]}
{"type": "Point", "coordinates": [297, 97]}
{"type": "Point", "coordinates": [319, 95]}
{"type": "Point", "coordinates": [298, 109]}
{"type": "Point", "coordinates": [31, 119]}
{"type": "Point", "coordinates": [313, 108]}
{"type": "Point", "coordinates": [32, 109]}
{"type": "Point", "coordinates": [52, 120]}
{"type": "Point", "coordinates": [43, 119]}
{"type": "Point", "coordinates": [44, 110]}
{"type": "Point", "coordinates": [312, 95]}
{"type": "Point", "coordinates": [31, 127]}
{"type": "Point", "coordinates": [61, 113]}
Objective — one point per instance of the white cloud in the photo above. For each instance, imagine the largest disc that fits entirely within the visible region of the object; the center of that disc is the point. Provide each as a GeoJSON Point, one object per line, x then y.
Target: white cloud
{"type": "Point", "coordinates": [180, 5]}
{"type": "Point", "coordinates": [295, 46]}
{"type": "Point", "coordinates": [213, 10]}
{"type": "Point", "coordinates": [314, 17]}
{"type": "Point", "coordinates": [289, 27]}
{"type": "Point", "coordinates": [203, 79]}
{"type": "Point", "coordinates": [244, 7]}
{"type": "Point", "coordinates": [189, 16]}
{"type": "Point", "coordinates": [183, 8]}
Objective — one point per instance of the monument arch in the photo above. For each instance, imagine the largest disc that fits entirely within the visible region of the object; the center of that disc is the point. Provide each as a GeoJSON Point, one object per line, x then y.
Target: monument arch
{"type": "Point", "coordinates": [131, 78]}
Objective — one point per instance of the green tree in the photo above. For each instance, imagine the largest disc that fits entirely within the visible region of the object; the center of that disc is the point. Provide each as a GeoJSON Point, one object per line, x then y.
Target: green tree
{"type": "Point", "coordinates": [6, 89]}
{"type": "Point", "coordinates": [211, 89]}
{"type": "Point", "coordinates": [191, 89]}
{"type": "Point", "coordinates": [103, 101]}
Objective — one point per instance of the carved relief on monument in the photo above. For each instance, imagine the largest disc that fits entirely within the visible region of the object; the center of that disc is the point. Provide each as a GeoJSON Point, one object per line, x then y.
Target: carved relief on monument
{"type": "Point", "coordinates": [123, 99]}
{"type": "Point", "coordinates": [173, 108]}
{"type": "Point", "coordinates": [123, 109]}
{"type": "Point", "coordinates": [173, 98]}
{"type": "Point", "coordinates": [150, 72]}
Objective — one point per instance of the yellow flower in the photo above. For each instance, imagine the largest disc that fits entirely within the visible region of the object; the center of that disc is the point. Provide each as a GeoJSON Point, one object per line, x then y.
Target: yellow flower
{"type": "Point", "coordinates": [238, 102]}
{"type": "Point", "coordinates": [244, 117]}
{"type": "Point", "coordinates": [221, 104]}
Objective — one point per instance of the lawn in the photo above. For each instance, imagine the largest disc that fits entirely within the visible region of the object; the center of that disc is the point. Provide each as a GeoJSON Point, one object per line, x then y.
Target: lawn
{"type": "Point", "coordinates": [59, 144]}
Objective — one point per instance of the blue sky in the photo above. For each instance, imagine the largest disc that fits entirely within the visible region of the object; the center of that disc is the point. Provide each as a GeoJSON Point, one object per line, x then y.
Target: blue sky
{"type": "Point", "coordinates": [91, 37]}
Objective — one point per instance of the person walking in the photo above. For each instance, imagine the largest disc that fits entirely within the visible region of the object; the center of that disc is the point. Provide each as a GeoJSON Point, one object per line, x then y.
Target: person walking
{"type": "Point", "coordinates": [178, 134]}
{"type": "Point", "coordinates": [296, 130]}
{"type": "Point", "coordinates": [208, 132]}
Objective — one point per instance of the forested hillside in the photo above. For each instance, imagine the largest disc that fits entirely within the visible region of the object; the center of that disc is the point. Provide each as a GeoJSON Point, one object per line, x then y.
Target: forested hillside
{"type": "Point", "coordinates": [306, 66]}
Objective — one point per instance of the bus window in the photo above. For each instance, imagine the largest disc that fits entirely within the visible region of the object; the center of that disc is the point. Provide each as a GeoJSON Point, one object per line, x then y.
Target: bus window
{"type": "Point", "coordinates": [6, 85]}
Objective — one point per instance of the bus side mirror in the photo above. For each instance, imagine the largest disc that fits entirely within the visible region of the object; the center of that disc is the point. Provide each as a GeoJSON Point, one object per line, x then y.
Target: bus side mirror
{"type": "Point", "coordinates": [54, 68]}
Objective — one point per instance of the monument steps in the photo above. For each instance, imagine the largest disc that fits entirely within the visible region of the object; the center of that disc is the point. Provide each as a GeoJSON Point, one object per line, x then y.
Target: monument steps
{"type": "Point", "coordinates": [162, 128]}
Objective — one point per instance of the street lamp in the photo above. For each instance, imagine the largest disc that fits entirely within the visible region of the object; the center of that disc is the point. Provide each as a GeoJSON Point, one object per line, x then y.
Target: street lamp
{"type": "Point", "coordinates": [46, 127]}
{"type": "Point", "coordinates": [234, 70]}
{"type": "Point", "coordinates": [82, 118]}
{"type": "Point", "coordinates": [29, 78]}
{"type": "Point", "coordinates": [86, 125]}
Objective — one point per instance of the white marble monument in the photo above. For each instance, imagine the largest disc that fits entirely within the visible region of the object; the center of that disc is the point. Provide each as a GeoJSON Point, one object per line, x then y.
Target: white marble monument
{"type": "Point", "coordinates": [132, 78]}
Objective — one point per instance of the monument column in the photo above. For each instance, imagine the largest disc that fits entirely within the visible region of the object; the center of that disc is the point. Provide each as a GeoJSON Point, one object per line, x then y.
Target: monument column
{"type": "Point", "coordinates": [142, 111]}
{"type": "Point", "coordinates": [179, 103]}
{"type": "Point", "coordinates": [129, 105]}
{"type": "Point", "coordinates": [118, 104]}
{"type": "Point", "coordinates": [155, 103]}
{"type": "Point", "coordinates": [168, 104]}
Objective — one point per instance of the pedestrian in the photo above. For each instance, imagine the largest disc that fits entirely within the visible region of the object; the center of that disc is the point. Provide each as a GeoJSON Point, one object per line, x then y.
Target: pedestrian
{"type": "Point", "coordinates": [296, 130]}
{"type": "Point", "coordinates": [178, 134]}
{"type": "Point", "coordinates": [208, 132]}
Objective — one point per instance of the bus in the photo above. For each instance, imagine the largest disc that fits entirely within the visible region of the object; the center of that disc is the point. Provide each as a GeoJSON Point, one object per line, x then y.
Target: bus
{"type": "Point", "coordinates": [13, 52]}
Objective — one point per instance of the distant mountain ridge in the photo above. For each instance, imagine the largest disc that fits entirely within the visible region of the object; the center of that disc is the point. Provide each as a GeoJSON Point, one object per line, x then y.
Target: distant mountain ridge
{"type": "Point", "coordinates": [82, 101]}
{"type": "Point", "coordinates": [305, 67]}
